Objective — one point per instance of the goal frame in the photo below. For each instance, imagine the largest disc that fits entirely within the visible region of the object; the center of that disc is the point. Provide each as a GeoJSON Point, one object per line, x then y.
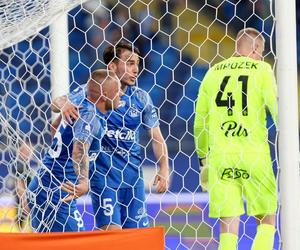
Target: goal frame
{"type": "Point", "coordinates": [286, 52]}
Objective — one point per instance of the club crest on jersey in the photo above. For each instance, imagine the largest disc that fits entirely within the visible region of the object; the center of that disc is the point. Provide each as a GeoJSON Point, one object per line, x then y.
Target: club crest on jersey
{"type": "Point", "coordinates": [133, 112]}
{"type": "Point", "coordinates": [122, 104]}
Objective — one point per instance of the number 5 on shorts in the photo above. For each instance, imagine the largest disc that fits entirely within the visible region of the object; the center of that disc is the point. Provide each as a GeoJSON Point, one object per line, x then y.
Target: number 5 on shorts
{"type": "Point", "coordinates": [107, 206]}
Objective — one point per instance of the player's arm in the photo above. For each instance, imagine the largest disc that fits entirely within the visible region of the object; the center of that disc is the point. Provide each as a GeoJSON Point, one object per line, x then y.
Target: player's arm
{"type": "Point", "coordinates": [58, 103]}
{"type": "Point", "coordinates": [85, 129]}
{"type": "Point", "coordinates": [80, 160]}
{"type": "Point", "coordinates": [22, 171]}
{"type": "Point", "coordinates": [69, 105]}
{"type": "Point", "coordinates": [201, 131]}
{"type": "Point", "coordinates": [270, 94]}
{"type": "Point", "coordinates": [68, 110]}
{"type": "Point", "coordinates": [21, 192]}
{"type": "Point", "coordinates": [151, 123]}
{"type": "Point", "coordinates": [161, 154]}
{"type": "Point", "coordinates": [201, 120]}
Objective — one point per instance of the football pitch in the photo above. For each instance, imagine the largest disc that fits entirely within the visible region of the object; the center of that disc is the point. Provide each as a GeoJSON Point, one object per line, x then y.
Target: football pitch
{"type": "Point", "coordinates": [184, 217]}
{"type": "Point", "coordinates": [186, 222]}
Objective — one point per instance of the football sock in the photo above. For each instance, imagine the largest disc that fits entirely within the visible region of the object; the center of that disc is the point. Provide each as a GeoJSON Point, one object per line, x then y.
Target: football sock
{"type": "Point", "coordinates": [228, 241]}
{"type": "Point", "coordinates": [264, 238]}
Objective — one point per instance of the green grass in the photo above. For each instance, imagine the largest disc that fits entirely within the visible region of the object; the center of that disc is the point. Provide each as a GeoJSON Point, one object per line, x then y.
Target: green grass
{"type": "Point", "coordinates": [187, 230]}
{"type": "Point", "coordinates": [184, 220]}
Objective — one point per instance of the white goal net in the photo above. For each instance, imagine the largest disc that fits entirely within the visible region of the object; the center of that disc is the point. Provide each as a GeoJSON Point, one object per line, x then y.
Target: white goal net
{"type": "Point", "coordinates": [178, 41]}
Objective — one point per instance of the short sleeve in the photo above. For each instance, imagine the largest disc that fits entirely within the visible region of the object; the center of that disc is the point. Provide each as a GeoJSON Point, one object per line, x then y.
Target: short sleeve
{"type": "Point", "coordinates": [86, 127]}
{"type": "Point", "coordinates": [149, 115]}
{"type": "Point", "coordinates": [78, 95]}
{"type": "Point", "coordinates": [270, 92]}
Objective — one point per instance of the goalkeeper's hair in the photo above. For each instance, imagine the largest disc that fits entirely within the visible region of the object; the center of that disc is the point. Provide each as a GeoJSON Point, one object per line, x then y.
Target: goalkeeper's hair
{"type": "Point", "coordinates": [249, 33]}
{"type": "Point", "coordinates": [112, 53]}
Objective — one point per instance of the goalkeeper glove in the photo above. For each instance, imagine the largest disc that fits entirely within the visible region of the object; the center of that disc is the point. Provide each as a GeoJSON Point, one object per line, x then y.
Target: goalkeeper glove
{"type": "Point", "coordinates": [203, 174]}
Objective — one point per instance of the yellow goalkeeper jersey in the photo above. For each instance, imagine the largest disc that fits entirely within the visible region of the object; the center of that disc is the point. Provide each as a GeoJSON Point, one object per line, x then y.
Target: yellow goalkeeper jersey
{"type": "Point", "coordinates": [231, 107]}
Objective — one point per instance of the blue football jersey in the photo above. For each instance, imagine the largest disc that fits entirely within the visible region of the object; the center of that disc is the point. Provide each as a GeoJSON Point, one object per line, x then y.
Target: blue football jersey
{"type": "Point", "coordinates": [118, 164]}
{"type": "Point", "coordinates": [58, 160]}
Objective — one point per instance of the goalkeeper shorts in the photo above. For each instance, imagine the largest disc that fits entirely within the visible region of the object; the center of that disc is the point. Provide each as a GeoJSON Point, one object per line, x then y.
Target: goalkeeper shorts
{"type": "Point", "coordinates": [234, 177]}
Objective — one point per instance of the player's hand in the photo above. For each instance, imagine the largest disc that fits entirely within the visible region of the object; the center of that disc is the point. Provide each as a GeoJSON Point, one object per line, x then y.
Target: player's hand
{"type": "Point", "coordinates": [70, 111]}
{"type": "Point", "coordinates": [74, 191]}
{"type": "Point", "coordinates": [162, 180]}
{"type": "Point", "coordinates": [203, 175]}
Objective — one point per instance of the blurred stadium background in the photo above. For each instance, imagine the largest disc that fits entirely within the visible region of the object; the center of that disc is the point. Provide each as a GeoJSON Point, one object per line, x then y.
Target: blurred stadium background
{"type": "Point", "coordinates": [178, 40]}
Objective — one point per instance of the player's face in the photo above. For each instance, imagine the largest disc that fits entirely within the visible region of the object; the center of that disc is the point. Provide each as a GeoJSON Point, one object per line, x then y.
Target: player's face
{"type": "Point", "coordinates": [114, 96]}
{"type": "Point", "coordinates": [127, 67]}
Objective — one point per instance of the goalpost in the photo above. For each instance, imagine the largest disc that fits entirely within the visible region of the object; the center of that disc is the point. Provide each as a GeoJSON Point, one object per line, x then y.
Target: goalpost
{"type": "Point", "coordinates": [286, 50]}
{"type": "Point", "coordinates": [59, 56]}
{"type": "Point", "coordinates": [179, 41]}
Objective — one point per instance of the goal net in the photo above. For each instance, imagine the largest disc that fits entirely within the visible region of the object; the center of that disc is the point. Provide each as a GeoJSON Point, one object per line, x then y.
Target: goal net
{"type": "Point", "coordinates": [178, 41]}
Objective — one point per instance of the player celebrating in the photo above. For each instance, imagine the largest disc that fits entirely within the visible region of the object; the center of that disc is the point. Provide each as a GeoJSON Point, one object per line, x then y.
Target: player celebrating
{"type": "Point", "coordinates": [230, 129]}
{"type": "Point", "coordinates": [117, 180]}
{"type": "Point", "coordinates": [65, 175]}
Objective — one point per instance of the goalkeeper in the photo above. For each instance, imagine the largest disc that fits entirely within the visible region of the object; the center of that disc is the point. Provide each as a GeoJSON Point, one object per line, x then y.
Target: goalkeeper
{"type": "Point", "coordinates": [64, 178]}
{"type": "Point", "coordinates": [232, 141]}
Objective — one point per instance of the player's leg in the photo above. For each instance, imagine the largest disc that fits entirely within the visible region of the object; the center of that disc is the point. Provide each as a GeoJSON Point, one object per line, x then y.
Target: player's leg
{"type": "Point", "coordinates": [133, 210]}
{"type": "Point", "coordinates": [47, 213]}
{"type": "Point", "coordinates": [36, 202]}
{"type": "Point", "coordinates": [111, 227]}
{"type": "Point", "coordinates": [22, 219]}
{"type": "Point", "coordinates": [264, 238]}
{"type": "Point", "coordinates": [225, 198]}
{"type": "Point", "coordinates": [67, 222]}
{"type": "Point", "coordinates": [229, 231]}
{"type": "Point", "coordinates": [106, 208]}
{"type": "Point", "coordinates": [42, 216]}
{"type": "Point", "coordinates": [36, 219]}
{"type": "Point", "coordinates": [261, 195]}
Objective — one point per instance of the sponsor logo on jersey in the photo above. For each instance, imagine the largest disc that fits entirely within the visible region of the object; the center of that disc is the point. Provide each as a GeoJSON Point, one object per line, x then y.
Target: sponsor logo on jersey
{"type": "Point", "coordinates": [231, 128]}
{"type": "Point", "coordinates": [235, 173]}
{"type": "Point", "coordinates": [128, 135]}
{"type": "Point", "coordinates": [145, 223]}
{"type": "Point", "coordinates": [118, 151]}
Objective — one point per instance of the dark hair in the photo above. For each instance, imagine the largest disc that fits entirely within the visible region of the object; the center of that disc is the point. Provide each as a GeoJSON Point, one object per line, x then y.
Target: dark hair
{"type": "Point", "coordinates": [112, 53]}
